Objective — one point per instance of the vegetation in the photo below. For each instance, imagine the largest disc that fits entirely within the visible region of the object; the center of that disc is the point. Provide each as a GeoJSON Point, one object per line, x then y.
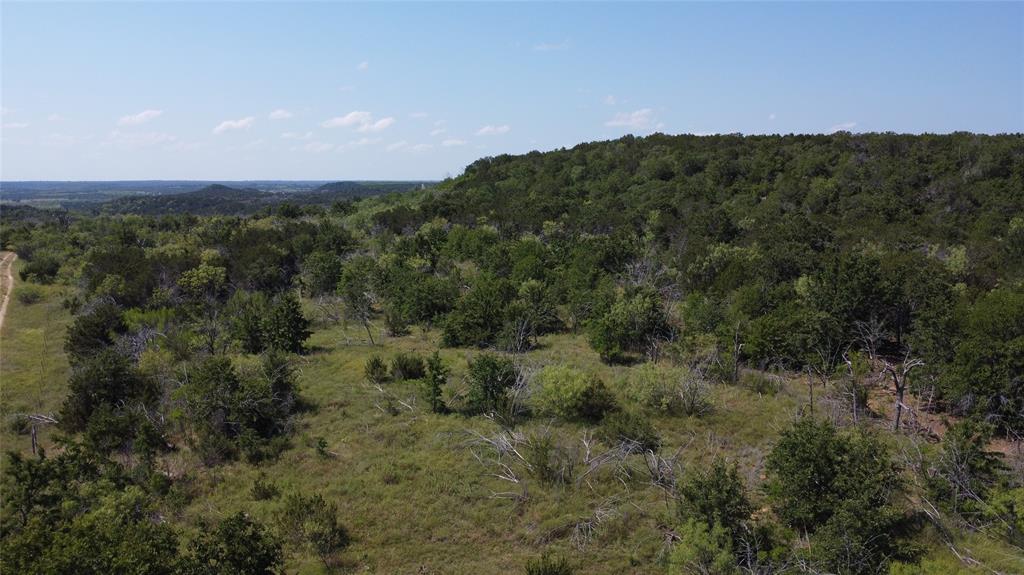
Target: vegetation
{"type": "Point", "coordinates": [669, 354]}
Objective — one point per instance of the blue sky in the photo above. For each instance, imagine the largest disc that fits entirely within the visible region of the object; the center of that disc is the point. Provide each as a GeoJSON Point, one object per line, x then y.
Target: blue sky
{"type": "Point", "coordinates": [402, 91]}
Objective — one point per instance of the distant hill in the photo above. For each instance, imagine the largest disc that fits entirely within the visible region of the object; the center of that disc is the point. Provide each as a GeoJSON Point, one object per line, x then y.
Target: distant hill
{"type": "Point", "coordinates": [220, 199]}
{"type": "Point", "coordinates": [210, 200]}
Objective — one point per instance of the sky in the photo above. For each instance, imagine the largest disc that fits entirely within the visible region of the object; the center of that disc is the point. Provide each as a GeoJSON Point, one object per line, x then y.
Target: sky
{"type": "Point", "coordinates": [335, 91]}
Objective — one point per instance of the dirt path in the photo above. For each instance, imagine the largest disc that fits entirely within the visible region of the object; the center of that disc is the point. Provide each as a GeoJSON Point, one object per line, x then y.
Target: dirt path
{"type": "Point", "coordinates": [7, 281]}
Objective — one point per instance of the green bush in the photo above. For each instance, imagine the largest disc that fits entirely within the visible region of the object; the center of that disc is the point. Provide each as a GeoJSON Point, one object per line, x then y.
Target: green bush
{"type": "Point", "coordinates": [549, 461]}
{"type": "Point", "coordinates": [490, 378]}
{"type": "Point", "coordinates": [703, 550]}
{"type": "Point", "coordinates": [629, 426]}
{"type": "Point", "coordinates": [28, 294]}
{"type": "Point", "coordinates": [263, 489]}
{"type": "Point", "coordinates": [715, 495]}
{"type": "Point", "coordinates": [407, 366]}
{"type": "Point", "coordinates": [572, 394]}
{"type": "Point", "coordinates": [311, 522]}
{"type": "Point", "coordinates": [375, 370]}
{"type": "Point", "coordinates": [548, 565]}
{"type": "Point", "coordinates": [760, 382]}
{"type": "Point", "coordinates": [674, 391]}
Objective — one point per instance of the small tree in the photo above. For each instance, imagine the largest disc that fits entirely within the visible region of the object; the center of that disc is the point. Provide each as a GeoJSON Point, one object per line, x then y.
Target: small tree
{"type": "Point", "coordinates": [238, 546]}
{"type": "Point", "coordinates": [286, 328]}
{"type": "Point", "coordinates": [437, 378]}
{"type": "Point", "coordinates": [312, 522]}
{"type": "Point", "coordinates": [356, 290]}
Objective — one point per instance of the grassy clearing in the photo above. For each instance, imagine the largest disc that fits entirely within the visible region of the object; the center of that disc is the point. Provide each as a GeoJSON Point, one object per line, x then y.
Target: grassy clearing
{"type": "Point", "coordinates": [33, 367]}
{"type": "Point", "coordinates": [409, 489]}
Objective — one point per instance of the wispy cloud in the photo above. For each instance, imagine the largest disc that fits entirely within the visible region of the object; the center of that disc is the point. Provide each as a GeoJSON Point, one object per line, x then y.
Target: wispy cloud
{"type": "Point", "coordinates": [453, 142]}
{"type": "Point", "coordinates": [54, 118]}
{"type": "Point", "coordinates": [420, 148]}
{"type": "Point", "coordinates": [419, 115]}
{"type": "Point", "coordinates": [363, 66]}
{"type": "Point", "coordinates": [551, 46]}
{"type": "Point", "coordinates": [318, 147]}
{"type": "Point", "coordinates": [136, 140]}
{"type": "Point", "coordinates": [437, 131]}
{"type": "Point", "coordinates": [844, 127]}
{"type": "Point", "coordinates": [362, 121]}
{"type": "Point", "coordinates": [771, 116]}
{"type": "Point", "coordinates": [493, 130]}
{"type": "Point", "coordinates": [610, 100]}
{"type": "Point", "coordinates": [279, 114]}
{"type": "Point", "coordinates": [397, 146]}
{"type": "Point", "coordinates": [140, 118]}
{"type": "Point", "coordinates": [296, 135]}
{"type": "Point", "coordinates": [16, 125]}
{"type": "Point", "coordinates": [642, 119]}
{"type": "Point", "coordinates": [229, 125]}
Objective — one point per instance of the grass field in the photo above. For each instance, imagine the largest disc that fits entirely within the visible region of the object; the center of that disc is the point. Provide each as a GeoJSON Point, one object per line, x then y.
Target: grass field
{"type": "Point", "coordinates": [409, 489]}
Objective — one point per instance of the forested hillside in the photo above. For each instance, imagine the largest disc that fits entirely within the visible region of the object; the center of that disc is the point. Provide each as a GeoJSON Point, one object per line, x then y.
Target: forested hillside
{"type": "Point", "coordinates": [671, 354]}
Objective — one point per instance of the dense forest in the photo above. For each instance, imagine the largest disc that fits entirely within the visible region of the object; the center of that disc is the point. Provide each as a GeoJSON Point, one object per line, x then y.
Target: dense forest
{"type": "Point", "coordinates": [670, 354]}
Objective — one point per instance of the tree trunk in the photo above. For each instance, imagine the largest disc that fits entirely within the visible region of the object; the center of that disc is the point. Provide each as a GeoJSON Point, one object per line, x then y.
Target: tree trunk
{"type": "Point", "coordinates": [899, 406]}
{"type": "Point", "coordinates": [369, 334]}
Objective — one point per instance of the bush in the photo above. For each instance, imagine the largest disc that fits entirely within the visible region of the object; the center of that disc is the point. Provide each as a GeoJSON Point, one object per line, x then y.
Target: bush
{"type": "Point", "coordinates": [376, 371]}
{"type": "Point", "coordinates": [702, 550]}
{"type": "Point", "coordinates": [715, 495]}
{"type": "Point", "coordinates": [263, 489]}
{"type": "Point", "coordinates": [629, 426]}
{"type": "Point", "coordinates": [437, 378]}
{"type": "Point", "coordinates": [28, 294]}
{"type": "Point", "coordinates": [547, 565]}
{"type": "Point", "coordinates": [760, 382]}
{"type": "Point", "coordinates": [490, 378]}
{"type": "Point", "coordinates": [674, 391]}
{"type": "Point", "coordinates": [407, 366]}
{"type": "Point", "coordinates": [312, 522]}
{"type": "Point", "coordinates": [238, 546]}
{"type": "Point", "coordinates": [550, 462]}
{"type": "Point", "coordinates": [572, 394]}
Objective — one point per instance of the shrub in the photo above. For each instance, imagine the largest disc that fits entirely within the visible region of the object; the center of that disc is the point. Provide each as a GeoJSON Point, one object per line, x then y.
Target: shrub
{"type": "Point", "coordinates": [239, 545]}
{"type": "Point", "coordinates": [312, 522]}
{"type": "Point", "coordinates": [675, 391]}
{"type": "Point", "coordinates": [376, 371]}
{"type": "Point", "coordinates": [490, 378]}
{"type": "Point", "coordinates": [550, 462]}
{"type": "Point", "coordinates": [629, 426]}
{"type": "Point", "coordinates": [263, 489]}
{"type": "Point", "coordinates": [437, 377]}
{"type": "Point", "coordinates": [407, 366]}
{"type": "Point", "coordinates": [702, 550]}
{"type": "Point", "coordinates": [715, 495]}
{"type": "Point", "coordinates": [632, 325]}
{"type": "Point", "coordinates": [547, 565]}
{"type": "Point", "coordinates": [41, 268]}
{"type": "Point", "coordinates": [28, 294]}
{"type": "Point", "coordinates": [760, 382]}
{"type": "Point", "coordinates": [572, 394]}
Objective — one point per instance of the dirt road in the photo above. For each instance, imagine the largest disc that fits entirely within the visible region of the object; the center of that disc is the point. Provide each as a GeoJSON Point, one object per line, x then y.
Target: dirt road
{"type": "Point", "coordinates": [6, 281]}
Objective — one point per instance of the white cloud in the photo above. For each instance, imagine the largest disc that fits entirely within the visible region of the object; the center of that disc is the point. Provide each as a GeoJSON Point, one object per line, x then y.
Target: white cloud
{"type": "Point", "coordinates": [4, 110]}
{"type": "Point", "coordinates": [16, 125]}
{"type": "Point", "coordinates": [279, 114]}
{"type": "Point", "coordinates": [363, 66]}
{"type": "Point", "coordinates": [610, 100]}
{"type": "Point", "coordinates": [771, 116]}
{"type": "Point", "coordinates": [318, 147]}
{"type": "Point", "coordinates": [437, 131]}
{"type": "Point", "coordinates": [346, 88]}
{"type": "Point", "coordinates": [493, 130]}
{"type": "Point", "coordinates": [377, 126]}
{"type": "Point", "coordinates": [296, 136]}
{"type": "Point", "coordinates": [844, 127]}
{"type": "Point", "coordinates": [136, 140]}
{"type": "Point", "coordinates": [636, 120]}
{"type": "Point", "coordinates": [453, 142]}
{"type": "Point", "coordinates": [420, 148]}
{"type": "Point", "coordinates": [396, 146]}
{"type": "Point", "coordinates": [54, 118]}
{"type": "Point", "coordinates": [140, 118]}
{"type": "Point", "coordinates": [362, 142]}
{"type": "Point", "coordinates": [363, 121]}
{"type": "Point", "coordinates": [551, 47]}
{"type": "Point", "coordinates": [60, 140]}
{"type": "Point", "coordinates": [228, 125]}
{"type": "Point", "coordinates": [418, 115]}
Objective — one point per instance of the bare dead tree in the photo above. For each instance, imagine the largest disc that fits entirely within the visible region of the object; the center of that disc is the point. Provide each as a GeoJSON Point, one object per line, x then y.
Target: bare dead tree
{"type": "Point", "coordinates": [870, 333]}
{"type": "Point", "coordinates": [900, 376]}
